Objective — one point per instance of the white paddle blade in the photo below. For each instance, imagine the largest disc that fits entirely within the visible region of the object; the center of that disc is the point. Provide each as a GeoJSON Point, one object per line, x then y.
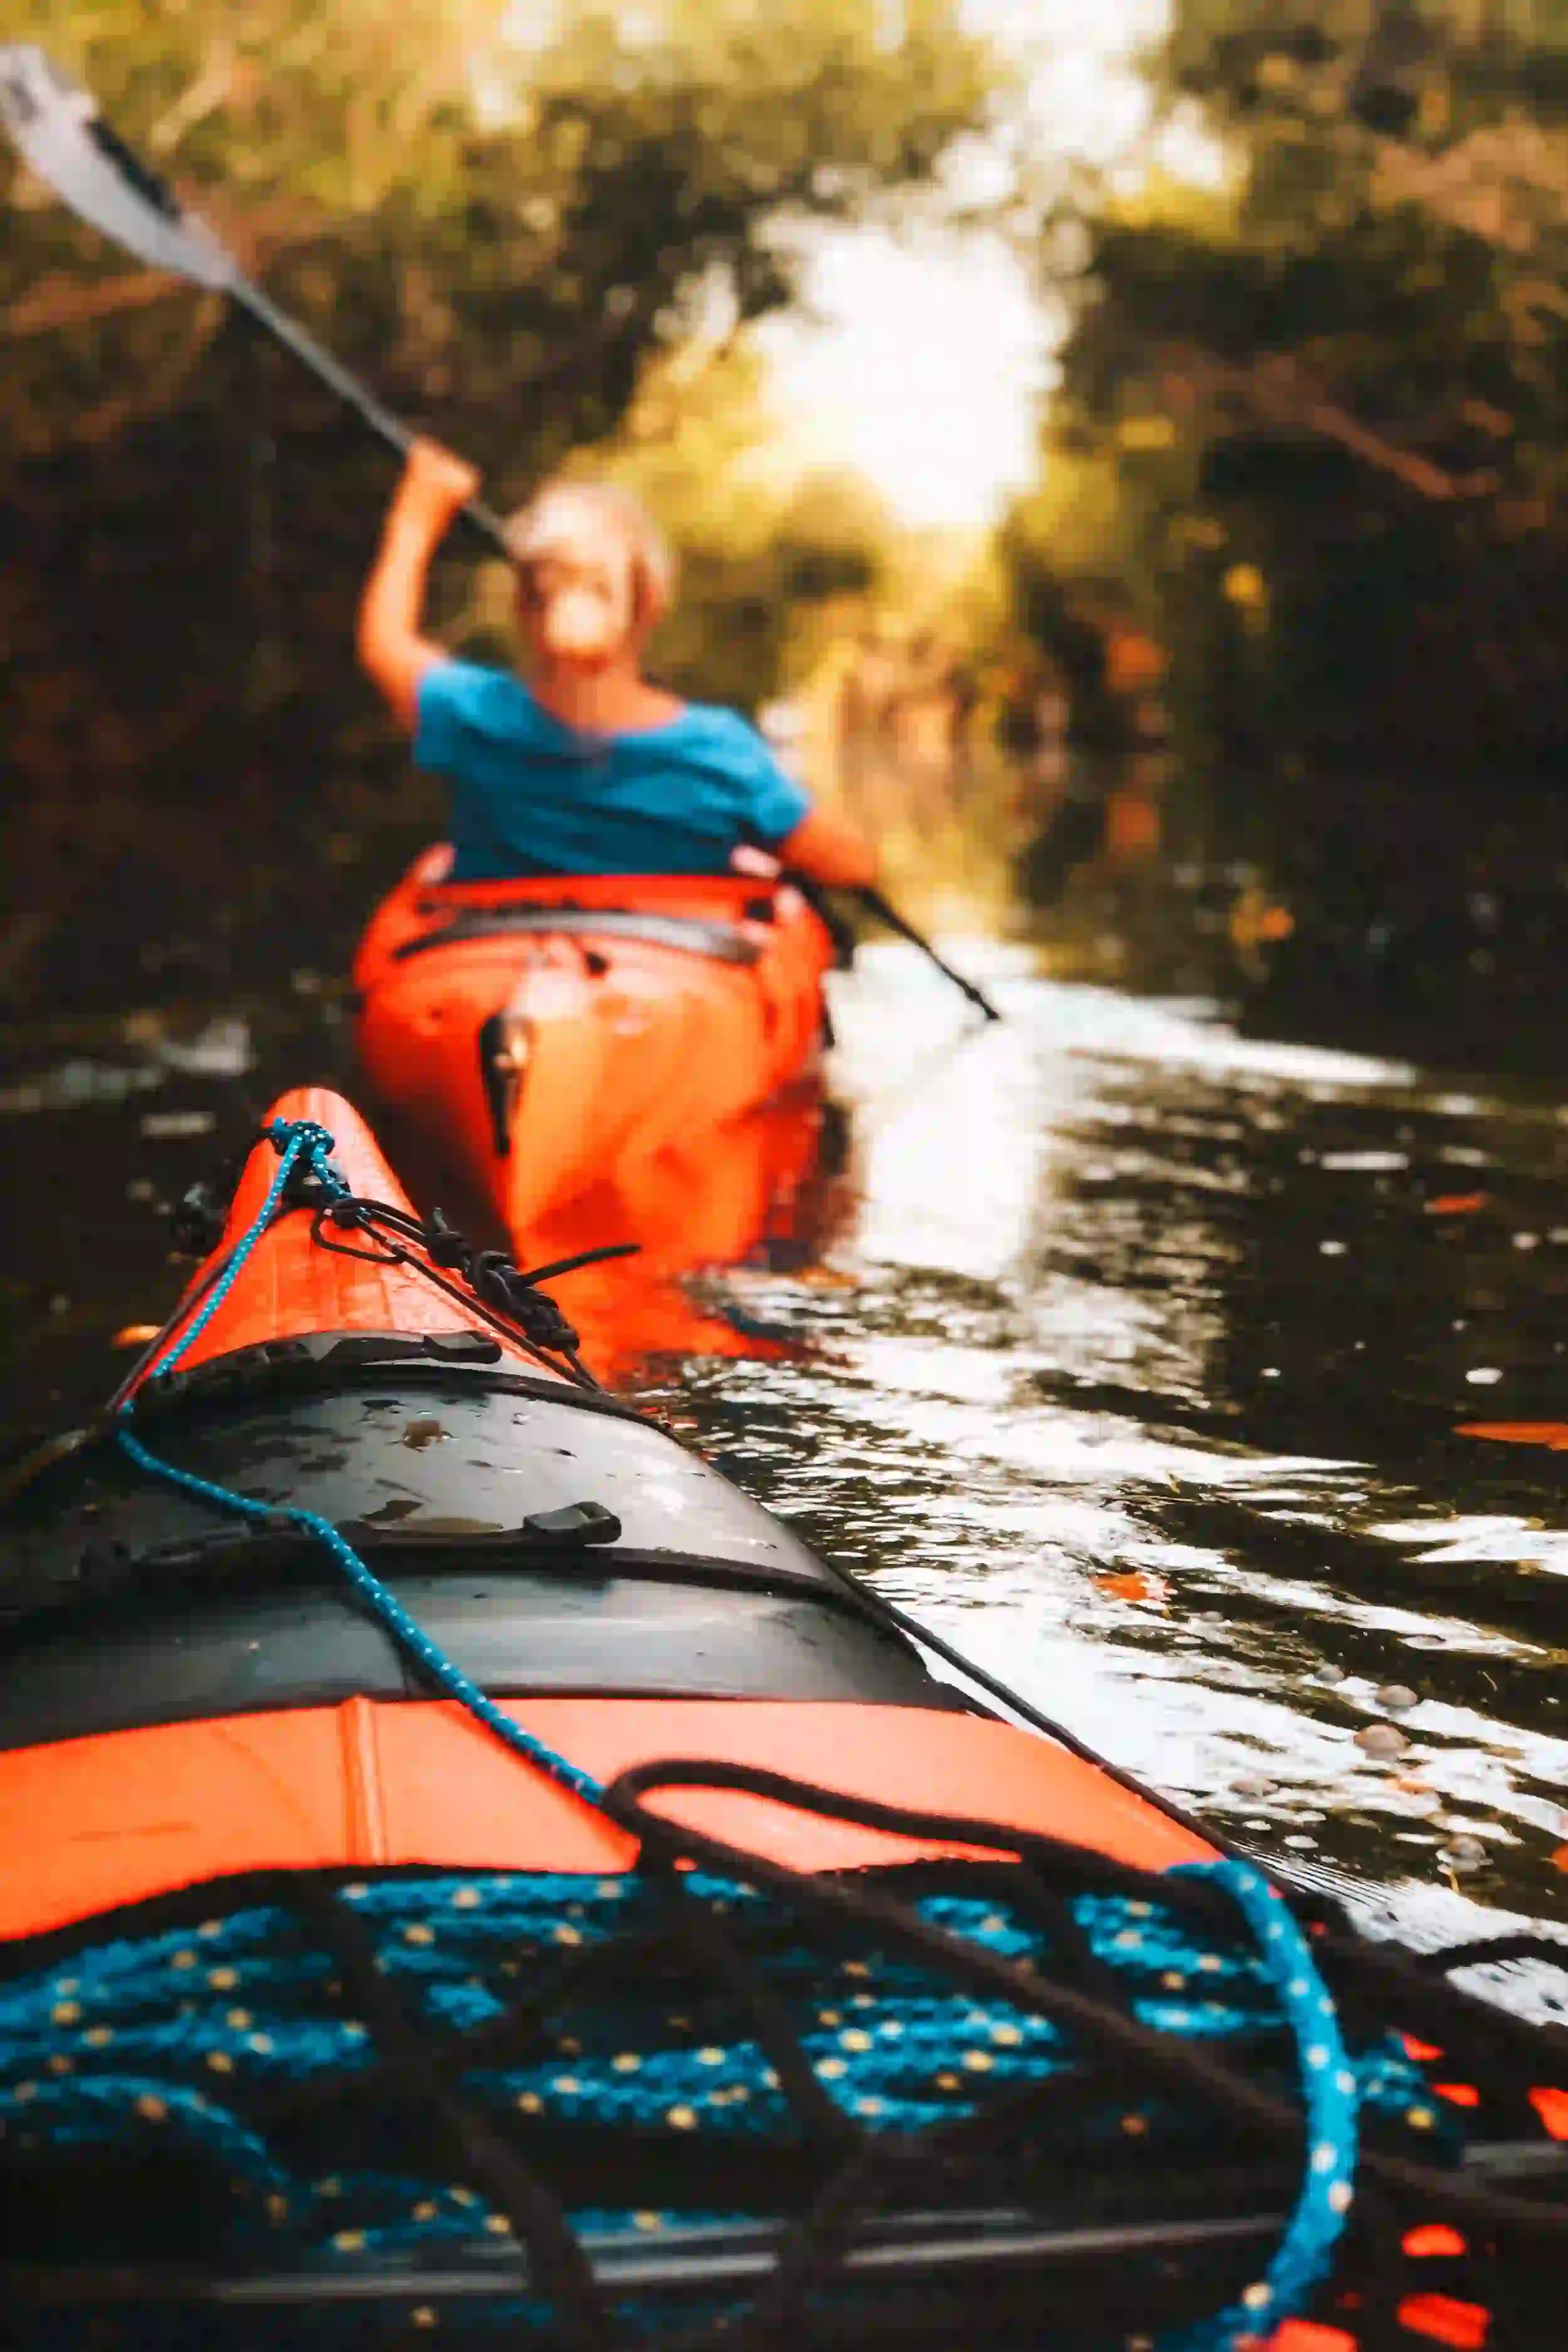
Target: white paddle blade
{"type": "Point", "coordinates": [56, 128]}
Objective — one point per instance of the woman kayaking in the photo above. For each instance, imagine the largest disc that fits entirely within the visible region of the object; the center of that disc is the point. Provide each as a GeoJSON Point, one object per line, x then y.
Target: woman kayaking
{"type": "Point", "coordinates": [581, 766]}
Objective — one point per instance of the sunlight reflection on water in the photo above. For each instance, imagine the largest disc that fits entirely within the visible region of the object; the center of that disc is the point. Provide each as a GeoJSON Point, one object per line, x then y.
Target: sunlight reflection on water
{"type": "Point", "coordinates": [1102, 1408]}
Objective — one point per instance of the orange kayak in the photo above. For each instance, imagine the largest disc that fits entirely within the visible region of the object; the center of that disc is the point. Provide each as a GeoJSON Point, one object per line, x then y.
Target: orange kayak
{"type": "Point", "coordinates": [764, 1192]}
{"type": "Point", "coordinates": [589, 1035]}
{"type": "Point", "coordinates": [464, 1862]}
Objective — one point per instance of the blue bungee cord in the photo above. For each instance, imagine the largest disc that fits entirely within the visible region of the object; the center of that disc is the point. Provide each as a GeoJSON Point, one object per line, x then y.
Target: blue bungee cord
{"type": "Point", "coordinates": [1330, 2095]}
{"type": "Point", "coordinates": [1329, 2081]}
{"type": "Point", "coordinates": [303, 1142]}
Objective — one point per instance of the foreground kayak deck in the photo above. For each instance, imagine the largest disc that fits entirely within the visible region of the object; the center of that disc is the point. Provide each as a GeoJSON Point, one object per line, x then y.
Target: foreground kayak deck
{"type": "Point", "coordinates": [321, 2011]}
{"type": "Point", "coordinates": [553, 1037]}
{"type": "Point", "coordinates": [574, 1560]}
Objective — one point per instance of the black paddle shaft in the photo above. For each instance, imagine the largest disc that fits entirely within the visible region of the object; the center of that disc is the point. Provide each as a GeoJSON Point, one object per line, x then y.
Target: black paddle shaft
{"type": "Point", "coordinates": [875, 904]}
{"type": "Point", "coordinates": [482, 519]}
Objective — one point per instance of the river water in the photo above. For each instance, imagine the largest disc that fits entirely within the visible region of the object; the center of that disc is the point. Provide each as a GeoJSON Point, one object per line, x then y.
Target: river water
{"type": "Point", "coordinates": [1137, 1356]}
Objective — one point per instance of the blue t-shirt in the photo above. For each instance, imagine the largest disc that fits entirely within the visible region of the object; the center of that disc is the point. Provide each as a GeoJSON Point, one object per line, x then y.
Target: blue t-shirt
{"type": "Point", "coordinates": [528, 796]}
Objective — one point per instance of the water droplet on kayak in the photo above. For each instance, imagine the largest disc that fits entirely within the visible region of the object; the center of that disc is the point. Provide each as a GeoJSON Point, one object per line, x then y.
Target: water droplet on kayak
{"type": "Point", "coordinates": [1394, 1697]}
{"type": "Point", "coordinates": [1485, 1376]}
{"type": "Point", "coordinates": [1327, 1673]}
{"type": "Point", "coordinates": [418, 1435]}
{"type": "Point", "coordinates": [1381, 1740]}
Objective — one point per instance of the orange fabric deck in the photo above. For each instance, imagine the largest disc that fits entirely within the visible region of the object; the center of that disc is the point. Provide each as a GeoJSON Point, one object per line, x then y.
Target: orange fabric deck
{"type": "Point", "coordinates": [289, 1286]}
{"type": "Point", "coordinates": [88, 1824]}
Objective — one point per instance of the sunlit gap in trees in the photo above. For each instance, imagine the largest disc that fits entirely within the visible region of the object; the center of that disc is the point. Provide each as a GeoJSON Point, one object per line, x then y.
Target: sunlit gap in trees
{"type": "Point", "coordinates": [923, 354]}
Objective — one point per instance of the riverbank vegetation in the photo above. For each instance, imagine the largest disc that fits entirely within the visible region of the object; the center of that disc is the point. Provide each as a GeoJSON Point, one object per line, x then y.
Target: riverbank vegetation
{"type": "Point", "coordinates": [1312, 429]}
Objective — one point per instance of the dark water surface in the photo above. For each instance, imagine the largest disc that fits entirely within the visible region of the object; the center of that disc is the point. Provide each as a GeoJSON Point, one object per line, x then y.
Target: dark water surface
{"type": "Point", "coordinates": [1137, 1364]}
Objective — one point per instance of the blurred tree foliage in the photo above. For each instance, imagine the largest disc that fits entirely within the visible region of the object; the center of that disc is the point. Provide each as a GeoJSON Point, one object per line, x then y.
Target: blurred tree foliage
{"type": "Point", "coordinates": [1315, 414]}
{"type": "Point", "coordinates": [512, 221]}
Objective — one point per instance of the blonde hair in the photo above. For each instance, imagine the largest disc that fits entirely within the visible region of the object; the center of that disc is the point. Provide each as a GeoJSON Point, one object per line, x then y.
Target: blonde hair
{"type": "Point", "coordinates": [537, 527]}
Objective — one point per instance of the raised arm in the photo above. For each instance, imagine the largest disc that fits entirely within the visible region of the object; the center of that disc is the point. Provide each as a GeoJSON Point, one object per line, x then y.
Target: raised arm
{"type": "Point", "coordinates": [829, 849]}
{"type": "Point", "coordinates": [435, 485]}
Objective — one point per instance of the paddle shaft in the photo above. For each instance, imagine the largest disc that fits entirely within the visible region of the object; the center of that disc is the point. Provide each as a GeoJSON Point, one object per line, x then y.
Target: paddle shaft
{"type": "Point", "coordinates": [387, 427]}
{"type": "Point", "coordinates": [875, 904]}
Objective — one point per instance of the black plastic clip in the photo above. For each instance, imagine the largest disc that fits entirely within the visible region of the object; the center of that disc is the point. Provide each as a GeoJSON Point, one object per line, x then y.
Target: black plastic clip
{"type": "Point", "coordinates": [577, 1523]}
